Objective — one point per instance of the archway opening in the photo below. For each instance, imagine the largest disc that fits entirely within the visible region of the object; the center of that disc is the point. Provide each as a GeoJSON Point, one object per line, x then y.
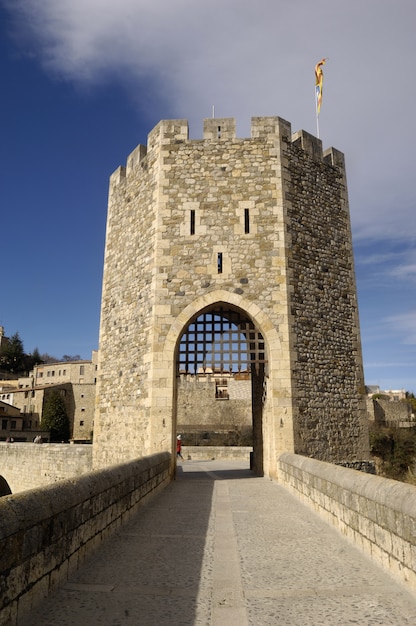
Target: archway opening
{"type": "Point", "coordinates": [221, 368]}
{"type": "Point", "coordinates": [4, 487]}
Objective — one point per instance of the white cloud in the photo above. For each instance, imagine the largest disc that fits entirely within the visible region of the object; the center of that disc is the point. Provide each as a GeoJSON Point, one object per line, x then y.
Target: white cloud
{"type": "Point", "coordinates": [257, 59]}
{"type": "Point", "coordinates": [405, 272]}
{"type": "Point", "coordinates": [405, 325]}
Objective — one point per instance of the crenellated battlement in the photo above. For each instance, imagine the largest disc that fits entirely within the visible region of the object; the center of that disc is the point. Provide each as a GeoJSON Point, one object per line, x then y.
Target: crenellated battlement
{"type": "Point", "coordinates": [220, 131]}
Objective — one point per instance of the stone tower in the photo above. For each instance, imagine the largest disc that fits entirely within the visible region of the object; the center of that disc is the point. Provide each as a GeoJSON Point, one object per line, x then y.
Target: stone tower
{"type": "Point", "coordinates": [258, 231]}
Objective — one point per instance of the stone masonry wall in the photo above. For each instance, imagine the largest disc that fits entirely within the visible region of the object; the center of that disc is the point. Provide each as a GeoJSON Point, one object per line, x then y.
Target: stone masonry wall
{"type": "Point", "coordinates": [46, 533]}
{"type": "Point", "coordinates": [198, 407]}
{"type": "Point", "coordinates": [389, 412]}
{"type": "Point", "coordinates": [30, 465]}
{"type": "Point", "coordinates": [378, 515]}
{"type": "Point", "coordinates": [122, 415]}
{"type": "Point", "coordinates": [329, 378]}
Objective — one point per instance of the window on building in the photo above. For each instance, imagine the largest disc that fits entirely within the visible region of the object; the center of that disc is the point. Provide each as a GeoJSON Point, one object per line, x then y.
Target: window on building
{"type": "Point", "coordinates": [81, 423]}
{"type": "Point", "coordinates": [13, 424]}
{"type": "Point", "coordinates": [246, 221]}
{"type": "Point", "coordinates": [4, 424]}
{"type": "Point", "coordinates": [48, 374]}
{"type": "Point", "coordinates": [219, 262]}
{"type": "Point", "coordinates": [221, 389]}
{"type": "Point", "coordinates": [64, 372]}
{"type": "Point", "coordinates": [81, 370]}
{"type": "Point", "coordinates": [192, 222]}
{"type": "Point", "coordinates": [26, 394]}
{"type": "Point", "coordinates": [40, 374]}
{"type": "Point", "coordinates": [53, 373]}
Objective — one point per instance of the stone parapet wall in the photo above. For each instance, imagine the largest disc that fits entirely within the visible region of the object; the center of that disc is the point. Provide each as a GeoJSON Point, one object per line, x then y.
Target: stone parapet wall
{"type": "Point", "coordinates": [30, 465]}
{"type": "Point", "coordinates": [387, 411]}
{"type": "Point", "coordinates": [378, 515]}
{"type": "Point", "coordinates": [208, 453]}
{"type": "Point", "coordinates": [46, 533]}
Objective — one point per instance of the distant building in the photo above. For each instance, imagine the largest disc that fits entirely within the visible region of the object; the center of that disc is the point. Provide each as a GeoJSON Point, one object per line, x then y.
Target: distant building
{"type": "Point", "coordinates": [3, 339]}
{"type": "Point", "coordinates": [74, 381]}
{"type": "Point", "coordinates": [394, 394]}
{"type": "Point", "coordinates": [371, 390]}
{"type": "Point", "coordinates": [11, 422]}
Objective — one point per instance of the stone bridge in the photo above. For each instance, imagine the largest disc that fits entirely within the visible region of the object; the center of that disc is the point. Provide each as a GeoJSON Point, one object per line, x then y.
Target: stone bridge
{"type": "Point", "coordinates": [223, 255]}
{"type": "Point", "coordinates": [218, 546]}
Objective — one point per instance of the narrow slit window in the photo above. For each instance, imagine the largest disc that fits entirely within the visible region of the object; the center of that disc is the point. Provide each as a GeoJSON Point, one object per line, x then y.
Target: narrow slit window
{"type": "Point", "coordinates": [246, 221]}
{"type": "Point", "coordinates": [219, 262]}
{"type": "Point", "coordinates": [192, 222]}
{"type": "Point", "coordinates": [219, 132]}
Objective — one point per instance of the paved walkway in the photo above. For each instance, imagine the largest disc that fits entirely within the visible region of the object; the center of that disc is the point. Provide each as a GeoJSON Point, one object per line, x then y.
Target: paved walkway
{"type": "Point", "coordinates": [220, 547]}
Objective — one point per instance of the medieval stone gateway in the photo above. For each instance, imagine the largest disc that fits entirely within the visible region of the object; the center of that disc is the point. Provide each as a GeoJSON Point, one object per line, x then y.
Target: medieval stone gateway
{"type": "Point", "coordinates": [259, 228]}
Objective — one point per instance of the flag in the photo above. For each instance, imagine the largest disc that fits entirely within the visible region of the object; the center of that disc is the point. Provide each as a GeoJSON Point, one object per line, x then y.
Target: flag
{"type": "Point", "coordinates": [319, 79]}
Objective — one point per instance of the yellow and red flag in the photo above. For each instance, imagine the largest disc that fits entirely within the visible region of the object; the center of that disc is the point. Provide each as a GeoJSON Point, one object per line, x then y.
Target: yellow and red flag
{"type": "Point", "coordinates": [319, 79]}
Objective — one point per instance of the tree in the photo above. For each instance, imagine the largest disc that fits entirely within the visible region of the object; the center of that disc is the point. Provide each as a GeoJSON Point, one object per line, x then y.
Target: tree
{"type": "Point", "coordinates": [36, 358]}
{"type": "Point", "coordinates": [411, 401]}
{"type": "Point", "coordinates": [30, 360]}
{"type": "Point", "coordinates": [48, 358]}
{"type": "Point", "coordinates": [55, 418]}
{"type": "Point", "coordinates": [68, 357]}
{"type": "Point", "coordinates": [396, 448]}
{"type": "Point", "coordinates": [12, 357]}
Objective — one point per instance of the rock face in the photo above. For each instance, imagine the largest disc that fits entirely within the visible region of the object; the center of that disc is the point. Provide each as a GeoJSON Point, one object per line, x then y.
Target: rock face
{"type": "Point", "coordinates": [258, 226]}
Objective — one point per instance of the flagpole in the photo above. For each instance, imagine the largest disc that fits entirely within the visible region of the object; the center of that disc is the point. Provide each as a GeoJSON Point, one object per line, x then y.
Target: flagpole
{"type": "Point", "coordinates": [317, 115]}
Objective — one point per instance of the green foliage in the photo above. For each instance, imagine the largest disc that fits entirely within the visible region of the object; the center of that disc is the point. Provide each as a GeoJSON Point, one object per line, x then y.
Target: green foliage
{"type": "Point", "coordinates": [12, 357]}
{"type": "Point", "coordinates": [381, 396]}
{"type": "Point", "coordinates": [36, 358]}
{"type": "Point", "coordinates": [396, 448]}
{"type": "Point", "coordinates": [411, 401]}
{"type": "Point", "coordinates": [70, 357]}
{"type": "Point", "coordinates": [55, 418]}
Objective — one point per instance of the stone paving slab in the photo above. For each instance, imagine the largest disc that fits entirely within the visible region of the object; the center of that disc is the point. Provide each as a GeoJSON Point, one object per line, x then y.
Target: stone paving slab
{"type": "Point", "coordinates": [221, 547]}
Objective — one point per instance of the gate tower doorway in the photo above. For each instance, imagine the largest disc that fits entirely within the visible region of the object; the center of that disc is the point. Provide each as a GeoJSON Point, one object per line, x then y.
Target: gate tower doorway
{"type": "Point", "coordinates": [222, 347]}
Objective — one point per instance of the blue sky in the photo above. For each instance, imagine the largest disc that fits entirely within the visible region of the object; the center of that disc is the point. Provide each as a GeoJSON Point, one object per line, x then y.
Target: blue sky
{"type": "Point", "coordinates": [83, 82]}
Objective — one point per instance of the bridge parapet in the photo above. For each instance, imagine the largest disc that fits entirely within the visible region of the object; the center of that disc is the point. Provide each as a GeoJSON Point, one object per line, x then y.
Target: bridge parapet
{"type": "Point", "coordinates": [378, 515]}
{"type": "Point", "coordinates": [30, 465]}
{"type": "Point", "coordinates": [46, 533]}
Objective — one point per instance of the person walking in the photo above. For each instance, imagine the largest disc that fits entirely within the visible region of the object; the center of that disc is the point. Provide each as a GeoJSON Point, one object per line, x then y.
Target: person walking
{"type": "Point", "coordinates": [179, 447]}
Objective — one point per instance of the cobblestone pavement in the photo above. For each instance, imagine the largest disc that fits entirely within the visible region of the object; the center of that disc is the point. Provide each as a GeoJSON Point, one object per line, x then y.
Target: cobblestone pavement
{"type": "Point", "coordinates": [220, 547]}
